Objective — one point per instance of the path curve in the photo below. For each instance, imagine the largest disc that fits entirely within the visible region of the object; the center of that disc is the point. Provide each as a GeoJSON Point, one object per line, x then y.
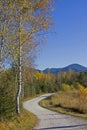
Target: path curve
{"type": "Point", "coordinates": [49, 120]}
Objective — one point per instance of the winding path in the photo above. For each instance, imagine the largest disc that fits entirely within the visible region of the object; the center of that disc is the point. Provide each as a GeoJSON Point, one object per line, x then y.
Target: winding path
{"type": "Point", "coordinates": [49, 120]}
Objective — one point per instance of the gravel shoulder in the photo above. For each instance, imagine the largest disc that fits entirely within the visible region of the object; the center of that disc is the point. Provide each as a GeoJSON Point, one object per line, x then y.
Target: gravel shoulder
{"type": "Point", "coordinates": [49, 120]}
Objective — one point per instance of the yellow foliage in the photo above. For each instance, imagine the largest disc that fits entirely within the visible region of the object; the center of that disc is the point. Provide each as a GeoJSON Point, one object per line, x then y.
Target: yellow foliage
{"type": "Point", "coordinates": [79, 86]}
{"type": "Point", "coordinates": [82, 100]}
{"type": "Point", "coordinates": [66, 87]}
{"type": "Point", "coordinates": [42, 76]}
{"type": "Point", "coordinates": [83, 94]}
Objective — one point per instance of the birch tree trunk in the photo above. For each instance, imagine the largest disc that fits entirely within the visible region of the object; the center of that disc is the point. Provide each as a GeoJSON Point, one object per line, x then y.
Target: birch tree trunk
{"type": "Point", "coordinates": [1, 42]}
{"type": "Point", "coordinates": [19, 75]}
{"type": "Point", "coordinates": [19, 85]}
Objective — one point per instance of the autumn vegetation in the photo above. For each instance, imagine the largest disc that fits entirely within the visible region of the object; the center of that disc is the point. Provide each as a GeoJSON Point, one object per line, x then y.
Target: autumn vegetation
{"type": "Point", "coordinates": [23, 24]}
{"type": "Point", "coordinates": [70, 88]}
{"type": "Point", "coordinates": [24, 122]}
{"type": "Point", "coordinates": [71, 97]}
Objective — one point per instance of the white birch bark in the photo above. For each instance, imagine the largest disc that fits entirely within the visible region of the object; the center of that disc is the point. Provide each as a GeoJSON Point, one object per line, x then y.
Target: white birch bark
{"type": "Point", "coordinates": [19, 85]}
{"type": "Point", "coordinates": [1, 44]}
{"type": "Point", "coordinates": [19, 75]}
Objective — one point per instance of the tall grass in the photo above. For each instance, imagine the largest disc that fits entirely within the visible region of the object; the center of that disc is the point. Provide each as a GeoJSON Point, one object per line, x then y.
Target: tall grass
{"type": "Point", "coordinates": [71, 101]}
{"type": "Point", "coordinates": [75, 99]}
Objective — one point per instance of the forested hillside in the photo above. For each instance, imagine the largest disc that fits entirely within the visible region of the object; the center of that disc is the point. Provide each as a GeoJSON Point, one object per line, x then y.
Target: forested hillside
{"type": "Point", "coordinates": [74, 67]}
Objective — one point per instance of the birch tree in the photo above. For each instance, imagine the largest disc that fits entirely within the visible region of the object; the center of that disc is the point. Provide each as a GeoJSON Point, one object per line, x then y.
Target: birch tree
{"type": "Point", "coordinates": [28, 20]}
{"type": "Point", "coordinates": [33, 17]}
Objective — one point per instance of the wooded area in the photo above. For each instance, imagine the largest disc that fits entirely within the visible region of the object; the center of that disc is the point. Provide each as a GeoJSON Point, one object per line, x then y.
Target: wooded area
{"type": "Point", "coordinates": [22, 25]}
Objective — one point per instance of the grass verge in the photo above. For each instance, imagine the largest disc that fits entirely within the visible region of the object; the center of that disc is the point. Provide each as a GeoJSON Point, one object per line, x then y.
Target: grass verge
{"type": "Point", "coordinates": [26, 121]}
{"type": "Point", "coordinates": [64, 102]}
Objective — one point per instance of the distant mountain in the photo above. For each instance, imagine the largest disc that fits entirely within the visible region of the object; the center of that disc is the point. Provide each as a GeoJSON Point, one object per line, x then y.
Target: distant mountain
{"type": "Point", "coordinates": [74, 67]}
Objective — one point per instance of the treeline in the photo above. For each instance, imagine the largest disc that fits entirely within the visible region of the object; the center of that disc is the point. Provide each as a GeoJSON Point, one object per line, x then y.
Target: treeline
{"type": "Point", "coordinates": [72, 78]}
{"type": "Point", "coordinates": [40, 82]}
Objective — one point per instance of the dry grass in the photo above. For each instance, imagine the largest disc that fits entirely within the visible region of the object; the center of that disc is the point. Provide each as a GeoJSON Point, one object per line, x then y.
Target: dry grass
{"type": "Point", "coordinates": [73, 102]}
{"type": "Point", "coordinates": [24, 122]}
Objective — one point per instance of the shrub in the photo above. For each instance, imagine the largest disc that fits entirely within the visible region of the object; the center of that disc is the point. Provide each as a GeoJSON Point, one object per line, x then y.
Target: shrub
{"type": "Point", "coordinates": [66, 87]}
{"type": "Point", "coordinates": [79, 86]}
{"type": "Point", "coordinates": [82, 101]}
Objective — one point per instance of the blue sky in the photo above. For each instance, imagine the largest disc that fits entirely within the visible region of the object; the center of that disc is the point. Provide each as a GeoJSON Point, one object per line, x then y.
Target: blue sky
{"type": "Point", "coordinates": [68, 42]}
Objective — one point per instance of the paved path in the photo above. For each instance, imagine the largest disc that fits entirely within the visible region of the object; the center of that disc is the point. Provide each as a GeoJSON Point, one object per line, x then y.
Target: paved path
{"type": "Point", "coordinates": [49, 120]}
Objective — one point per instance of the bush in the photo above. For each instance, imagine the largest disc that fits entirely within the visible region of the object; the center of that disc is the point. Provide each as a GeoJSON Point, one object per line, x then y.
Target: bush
{"type": "Point", "coordinates": [66, 87]}
{"type": "Point", "coordinates": [82, 101]}
{"type": "Point", "coordinates": [79, 86]}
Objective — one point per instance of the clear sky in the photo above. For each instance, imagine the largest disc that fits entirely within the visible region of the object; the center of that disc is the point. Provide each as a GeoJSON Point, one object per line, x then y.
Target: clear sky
{"type": "Point", "coordinates": [69, 44]}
